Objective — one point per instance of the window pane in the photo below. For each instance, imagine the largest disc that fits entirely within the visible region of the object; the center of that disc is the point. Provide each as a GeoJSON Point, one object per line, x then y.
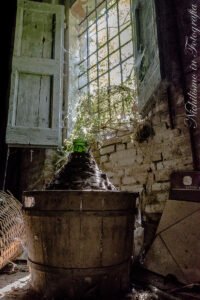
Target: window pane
{"type": "Point", "coordinates": [99, 1]}
{"type": "Point", "coordinates": [103, 66]}
{"type": "Point", "coordinates": [82, 27]}
{"type": "Point", "coordinates": [124, 13]}
{"type": "Point", "coordinates": [115, 76]}
{"type": "Point", "coordinates": [127, 50]}
{"type": "Point", "coordinates": [126, 35]}
{"type": "Point", "coordinates": [103, 81]}
{"type": "Point", "coordinates": [103, 52]}
{"type": "Point", "coordinates": [114, 44]}
{"type": "Point", "coordinates": [114, 59]}
{"type": "Point", "coordinates": [92, 42]}
{"type": "Point", "coordinates": [93, 87]}
{"type": "Point", "coordinates": [102, 31]}
{"type": "Point", "coordinates": [112, 22]}
{"type": "Point", "coordinates": [101, 9]}
{"type": "Point", "coordinates": [92, 18]}
{"type": "Point", "coordinates": [92, 59]}
{"type": "Point", "coordinates": [111, 3]}
{"type": "Point", "coordinates": [90, 6]}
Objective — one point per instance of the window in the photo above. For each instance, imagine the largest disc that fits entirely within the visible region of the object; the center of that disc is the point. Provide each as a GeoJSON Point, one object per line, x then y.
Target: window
{"type": "Point", "coordinates": [106, 58]}
{"type": "Point", "coordinates": [146, 52]}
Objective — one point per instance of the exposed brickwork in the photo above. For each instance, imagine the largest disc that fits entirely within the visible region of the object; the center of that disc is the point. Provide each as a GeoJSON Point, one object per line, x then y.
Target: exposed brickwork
{"type": "Point", "coordinates": [146, 167]}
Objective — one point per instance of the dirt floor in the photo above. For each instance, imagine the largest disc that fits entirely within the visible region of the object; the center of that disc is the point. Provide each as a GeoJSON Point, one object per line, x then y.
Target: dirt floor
{"type": "Point", "coordinates": [14, 281]}
{"type": "Point", "coordinates": [15, 285]}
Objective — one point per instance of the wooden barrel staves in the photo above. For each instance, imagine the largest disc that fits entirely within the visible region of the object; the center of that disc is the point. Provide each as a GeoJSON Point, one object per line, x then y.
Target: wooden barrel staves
{"type": "Point", "coordinates": [79, 242]}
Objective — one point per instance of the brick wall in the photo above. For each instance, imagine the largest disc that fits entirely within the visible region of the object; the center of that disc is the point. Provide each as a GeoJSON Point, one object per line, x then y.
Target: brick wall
{"type": "Point", "coordinates": [146, 167]}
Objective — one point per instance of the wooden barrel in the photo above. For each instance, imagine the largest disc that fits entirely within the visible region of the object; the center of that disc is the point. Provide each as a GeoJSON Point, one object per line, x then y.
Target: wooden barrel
{"type": "Point", "coordinates": [79, 242]}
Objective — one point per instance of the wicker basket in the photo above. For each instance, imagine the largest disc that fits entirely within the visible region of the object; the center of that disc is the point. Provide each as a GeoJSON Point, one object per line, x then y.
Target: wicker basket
{"type": "Point", "coordinates": [11, 228]}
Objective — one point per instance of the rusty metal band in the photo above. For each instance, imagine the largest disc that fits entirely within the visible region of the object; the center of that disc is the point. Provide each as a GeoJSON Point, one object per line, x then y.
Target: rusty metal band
{"type": "Point", "coordinates": [51, 213]}
{"type": "Point", "coordinates": [79, 271]}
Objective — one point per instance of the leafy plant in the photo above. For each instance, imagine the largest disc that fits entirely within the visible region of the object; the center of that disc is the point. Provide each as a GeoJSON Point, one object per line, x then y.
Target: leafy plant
{"type": "Point", "coordinates": [105, 112]}
{"type": "Point", "coordinates": [102, 114]}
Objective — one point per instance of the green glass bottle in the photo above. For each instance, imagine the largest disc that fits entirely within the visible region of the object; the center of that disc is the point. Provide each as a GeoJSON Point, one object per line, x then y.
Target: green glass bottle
{"type": "Point", "coordinates": [80, 145]}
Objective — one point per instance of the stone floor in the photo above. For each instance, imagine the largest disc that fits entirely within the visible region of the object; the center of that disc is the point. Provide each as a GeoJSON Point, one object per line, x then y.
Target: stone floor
{"type": "Point", "coordinates": [15, 285]}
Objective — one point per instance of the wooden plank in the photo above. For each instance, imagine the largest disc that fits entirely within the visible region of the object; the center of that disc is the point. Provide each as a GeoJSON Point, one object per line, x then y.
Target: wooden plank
{"type": "Point", "coordinates": [33, 108]}
{"type": "Point", "coordinates": [43, 7]}
{"type": "Point", "coordinates": [58, 87]}
{"type": "Point", "coordinates": [45, 100]}
{"type": "Point", "coordinates": [90, 241]}
{"type": "Point", "coordinates": [23, 101]}
{"type": "Point", "coordinates": [37, 71]}
{"type": "Point", "coordinates": [36, 65]}
{"type": "Point", "coordinates": [18, 31]}
{"type": "Point", "coordinates": [59, 37]}
{"type": "Point", "coordinates": [31, 136]}
{"type": "Point", "coordinates": [115, 235]}
{"type": "Point", "coordinates": [37, 34]}
{"type": "Point", "coordinates": [27, 103]}
{"type": "Point", "coordinates": [12, 102]}
{"type": "Point", "coordinates": [72, 242]}
{"type": "Point", "coordinates": [34, 238]}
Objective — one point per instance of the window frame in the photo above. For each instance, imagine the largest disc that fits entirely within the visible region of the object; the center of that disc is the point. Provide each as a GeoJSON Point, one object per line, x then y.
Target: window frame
{"type": "Point", "coordinates": [151, 79]}
{"type": "Point", "coordinates": [109, 53]}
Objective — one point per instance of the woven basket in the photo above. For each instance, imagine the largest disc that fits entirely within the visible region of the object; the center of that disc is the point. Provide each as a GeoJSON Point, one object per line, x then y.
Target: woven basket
{"type": "Point", "coordinates": [11, 228]}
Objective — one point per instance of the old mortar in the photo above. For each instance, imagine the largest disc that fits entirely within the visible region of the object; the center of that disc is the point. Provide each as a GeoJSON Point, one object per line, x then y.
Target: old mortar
{"type": "Point", "coordinates": [79, 241]}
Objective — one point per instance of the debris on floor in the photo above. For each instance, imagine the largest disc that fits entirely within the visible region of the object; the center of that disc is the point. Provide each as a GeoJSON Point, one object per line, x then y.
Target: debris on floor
{"type": "Point", "coordinates": [176, 246]}
{"type": "Point", "coordinates": [146, 285]}
{"type": "Point", "coordinates": [14, 281]}
{"type": "Point", "coordinates": [162, 287]}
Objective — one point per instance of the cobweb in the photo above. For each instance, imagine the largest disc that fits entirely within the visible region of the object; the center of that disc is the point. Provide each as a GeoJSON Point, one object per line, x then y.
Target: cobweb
{"type": "Point", "coordinates": [11, 228]}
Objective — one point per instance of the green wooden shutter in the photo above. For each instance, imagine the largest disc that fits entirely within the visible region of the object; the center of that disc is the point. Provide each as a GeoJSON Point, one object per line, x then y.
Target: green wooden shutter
{"type": "Point", "coordinates": [35, 103]}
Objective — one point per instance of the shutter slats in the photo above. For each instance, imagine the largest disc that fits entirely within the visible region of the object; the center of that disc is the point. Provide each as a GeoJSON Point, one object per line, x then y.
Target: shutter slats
{"type": "Point", "coordinates": [36, 82]}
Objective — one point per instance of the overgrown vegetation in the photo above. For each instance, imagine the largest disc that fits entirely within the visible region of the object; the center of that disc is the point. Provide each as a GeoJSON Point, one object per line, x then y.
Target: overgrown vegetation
{"type": "Point", "coordinates": [107, 100]}
{"type": "Point", "coordinates": [102, 115]}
